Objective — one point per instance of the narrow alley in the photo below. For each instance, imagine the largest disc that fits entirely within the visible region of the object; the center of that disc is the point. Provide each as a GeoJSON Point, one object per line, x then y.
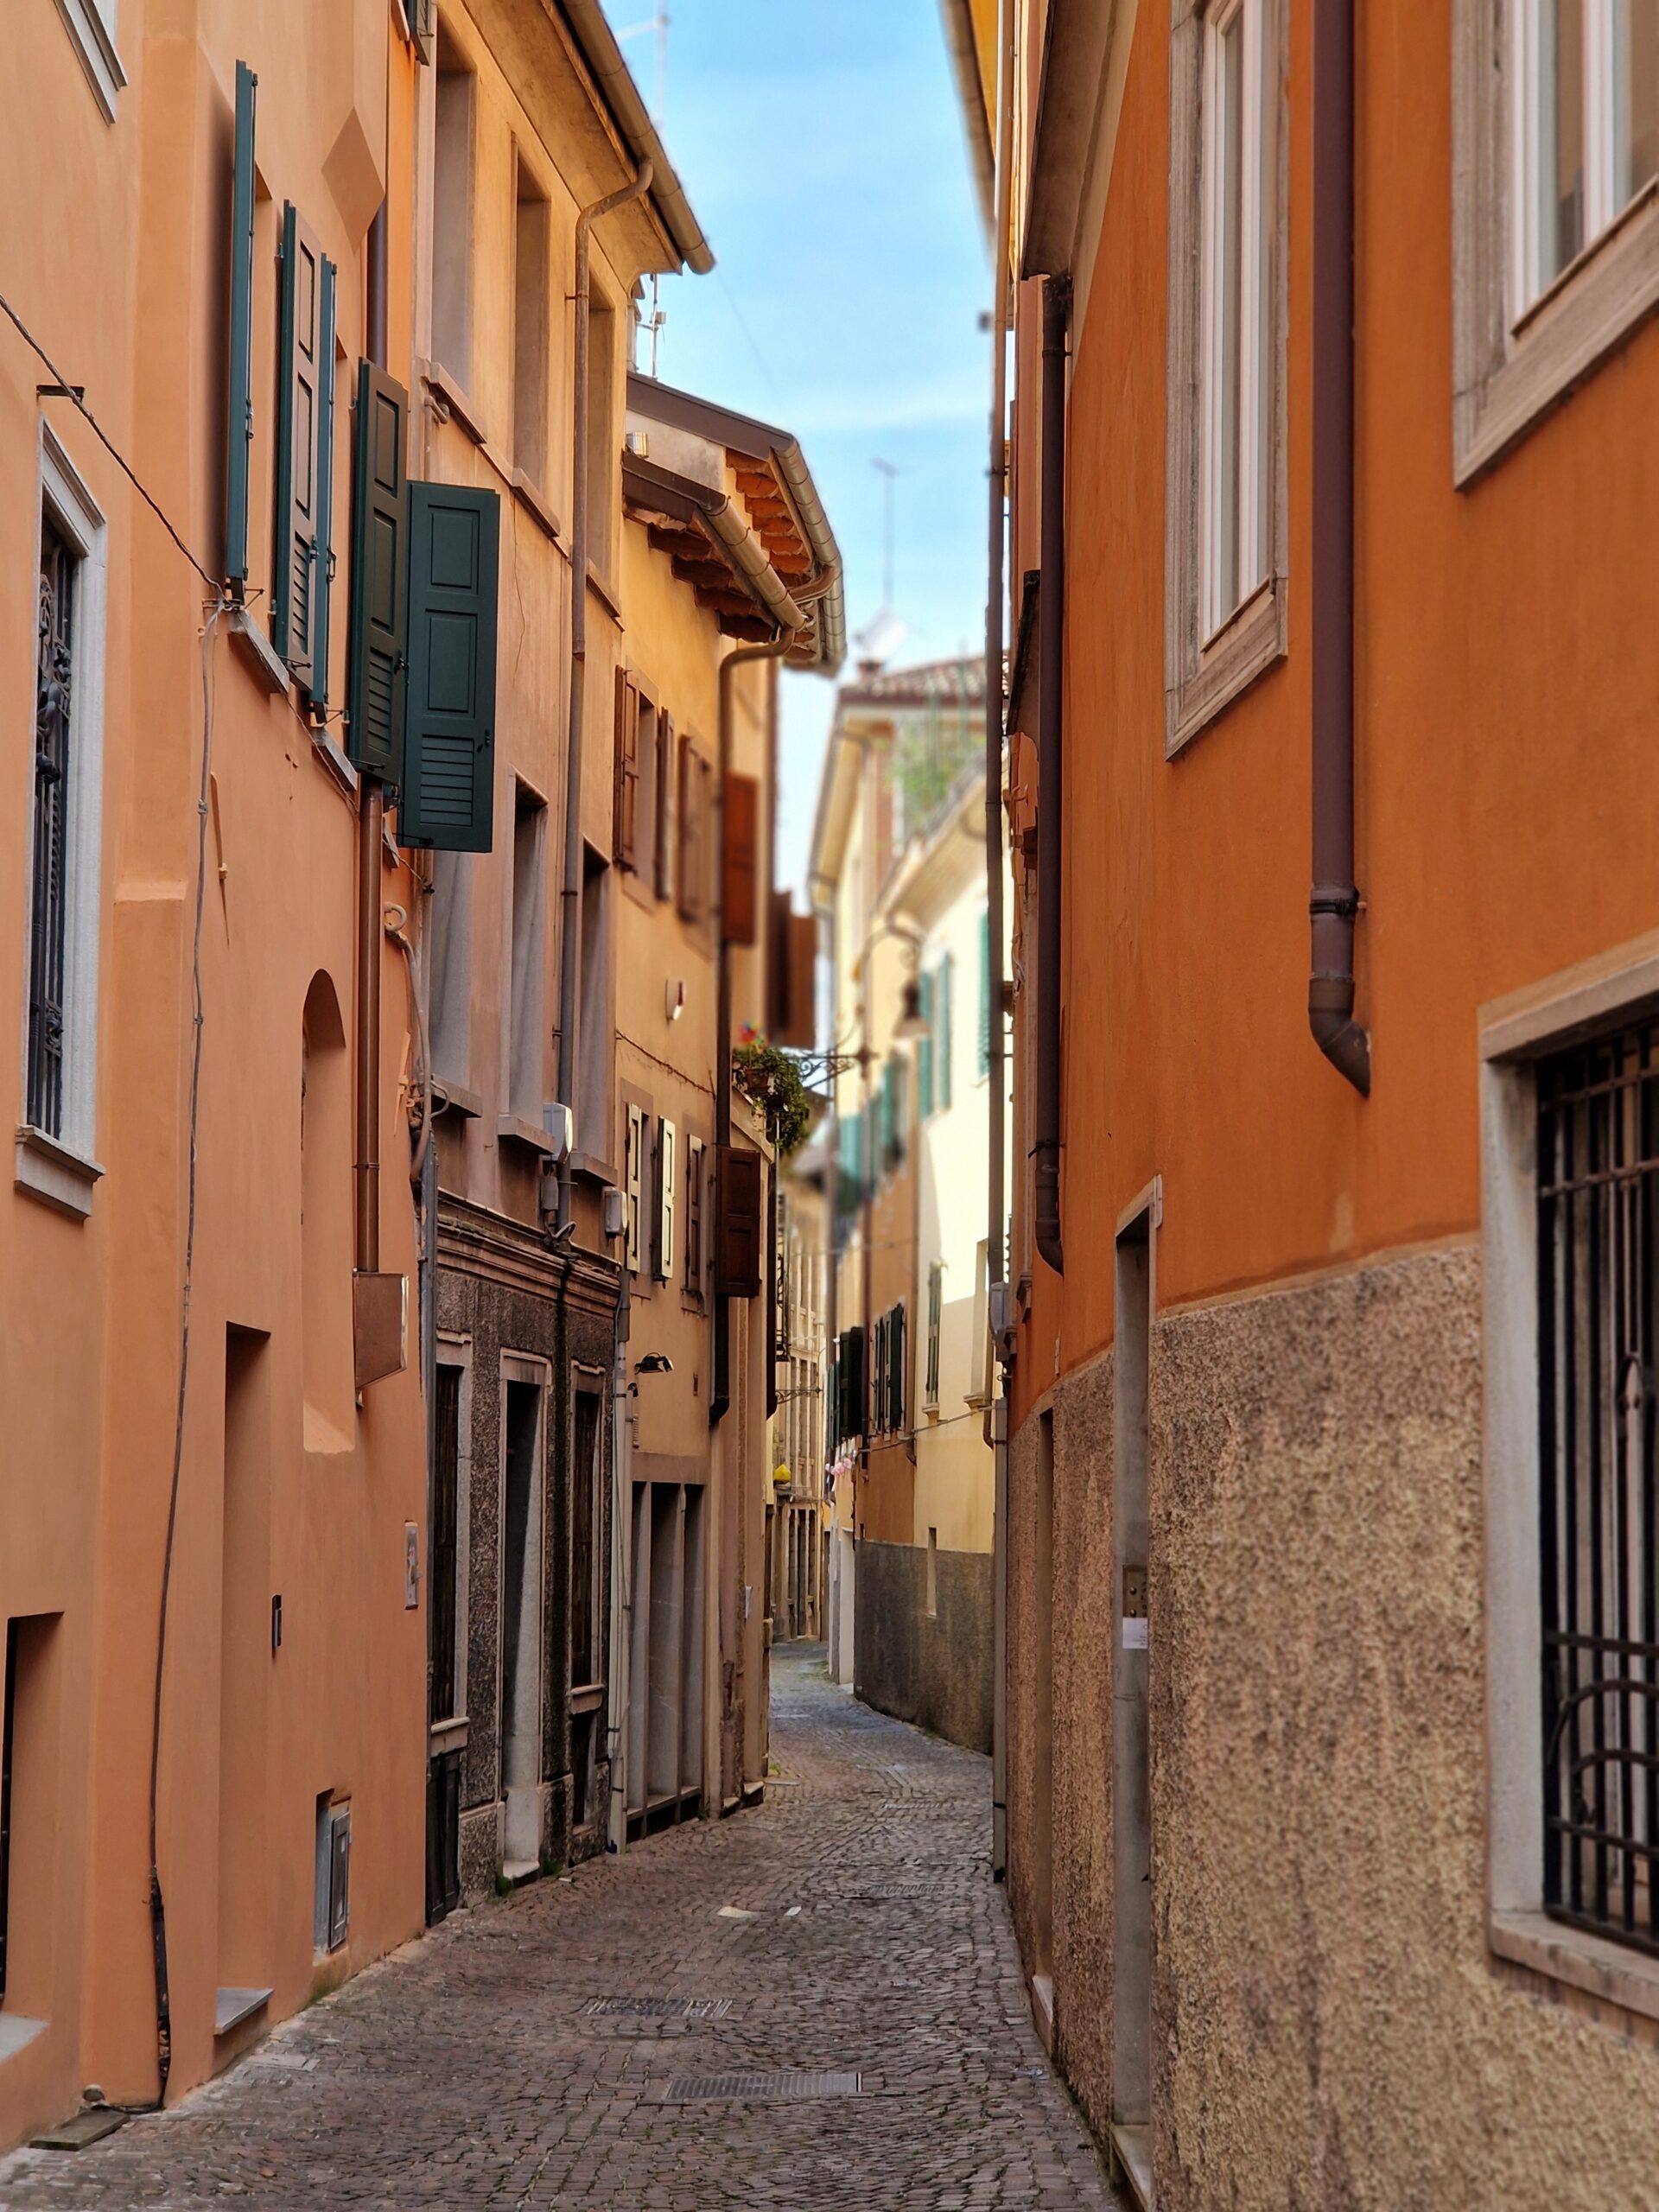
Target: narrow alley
{"type": "Point", "coordinates": [598, 2042]}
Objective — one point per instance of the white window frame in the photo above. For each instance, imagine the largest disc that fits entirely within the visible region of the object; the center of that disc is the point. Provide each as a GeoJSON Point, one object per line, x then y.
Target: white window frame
{"type": "Point", "coordinates": [1237, 480]}
{"type": "Point", "coordinates": [1514, 1035]}
{"type": "Point", "coordinates": [91, 26]}
{"type": "Point", "coordinates": [634, 1170]}
{"type": "Point", "coordinates": [1520, 345]}
{"type": "Point", "coordinates": [666, 1141]}
{"type": "Point", "coordinates": [457, 1351]}
{"type": "Point", "coordinates": [62, 1169]}
{"type": "Point", "coordinates": [1216, 642]}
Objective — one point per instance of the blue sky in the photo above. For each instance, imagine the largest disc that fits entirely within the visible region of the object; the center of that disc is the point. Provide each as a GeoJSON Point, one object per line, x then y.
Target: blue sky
{"type": "Point", "coordinates": [824, 153]}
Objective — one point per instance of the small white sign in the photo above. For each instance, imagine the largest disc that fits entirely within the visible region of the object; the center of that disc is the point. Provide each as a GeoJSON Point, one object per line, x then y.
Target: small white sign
{"type": "Point", "coordinates": [1134, 1634]}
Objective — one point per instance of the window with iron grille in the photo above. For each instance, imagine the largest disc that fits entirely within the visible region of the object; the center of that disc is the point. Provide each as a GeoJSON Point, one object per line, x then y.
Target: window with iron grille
{"type": "Point", "coordinates": [1598, 1249]}
{"type": "Point", "coordinates": [49, 912]}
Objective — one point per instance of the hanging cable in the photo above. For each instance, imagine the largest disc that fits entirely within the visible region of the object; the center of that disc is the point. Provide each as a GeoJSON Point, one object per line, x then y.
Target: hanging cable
{"type": "Point", "coordinates": [70, 393]}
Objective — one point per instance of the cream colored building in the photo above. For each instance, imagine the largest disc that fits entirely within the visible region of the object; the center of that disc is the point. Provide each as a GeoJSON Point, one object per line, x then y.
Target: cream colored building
{"type": "Point", "coordinates": [899, 872]}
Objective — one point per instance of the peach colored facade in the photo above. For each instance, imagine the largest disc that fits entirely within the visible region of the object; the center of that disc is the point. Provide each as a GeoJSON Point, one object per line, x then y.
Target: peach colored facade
{"type": "Point", "coordinates": [1277, 1852]}
{"type": "Point", "coordinates": [294, 1491]}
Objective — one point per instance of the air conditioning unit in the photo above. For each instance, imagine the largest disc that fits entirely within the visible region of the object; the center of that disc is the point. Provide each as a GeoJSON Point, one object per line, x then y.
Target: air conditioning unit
{"type": "Point", "coordinates": [614, 1214]}
{"type": "Point", "coordinates": [560, 1126]}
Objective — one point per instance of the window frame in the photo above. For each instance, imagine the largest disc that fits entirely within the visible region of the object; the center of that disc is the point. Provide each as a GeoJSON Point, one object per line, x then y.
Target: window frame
{"type": "Point", "coordinates": [1514, 1035]}
{"type": "Point", "coordinates": [1212, 653]}
{"type": "Point", "coordinates": [91, 25]}
{"type": "Point", "coordinates": [61, 1166]}
{"type": "Point", "coordinates": [1519, 350]}
{"type": "Point", "coordinates": [455, 1351]}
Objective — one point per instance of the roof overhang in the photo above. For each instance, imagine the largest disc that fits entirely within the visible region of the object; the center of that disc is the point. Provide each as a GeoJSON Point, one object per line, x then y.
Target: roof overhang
{"type": "Point", "coordinates": [1076, 44]}
{"type": "Point", "coordinates": [713, 550]}
{"type": "Point", "coordinates": [616, 88]}
{"type": "Point", "coordinates": [970, 36]}
{"type": "Point", "coordinates": [780, 500]}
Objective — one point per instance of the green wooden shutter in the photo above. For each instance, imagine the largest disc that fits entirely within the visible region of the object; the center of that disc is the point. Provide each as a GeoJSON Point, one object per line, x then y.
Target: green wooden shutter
{"type": "Point", "coordinates": [239, 406]}
{"type": "Point", "coordinates": [299, 365]}
{"type": "Point", "coordinates": [896, 1373]}
{"type": "Point", "coordinates": [945, 978]}
{"type": "Point", "coordinates": [448, 780]}
{"type": "Point", "coordinates": [323, 576]}
{"type": "Point", "coordinates": [379, 632]}
{"type": "Point", "coordinates": [985, 993]}
{"type": "Point", "coordinates": [924, 1051]}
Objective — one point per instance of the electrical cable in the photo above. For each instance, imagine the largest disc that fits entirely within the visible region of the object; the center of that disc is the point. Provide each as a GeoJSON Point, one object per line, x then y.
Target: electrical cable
{"type": "Point", "coordinates": [69, 392]}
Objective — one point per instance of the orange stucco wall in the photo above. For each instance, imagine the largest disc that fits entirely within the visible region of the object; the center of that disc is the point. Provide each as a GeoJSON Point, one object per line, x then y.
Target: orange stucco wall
{"type": "Point", "coordinates": [1505, 672]}
{"type": "Point", "coordinates": [116, 259]}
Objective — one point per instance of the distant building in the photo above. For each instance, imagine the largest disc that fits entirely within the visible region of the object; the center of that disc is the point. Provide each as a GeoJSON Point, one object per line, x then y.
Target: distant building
{"type": "Point", "coordinates": [899, 871]}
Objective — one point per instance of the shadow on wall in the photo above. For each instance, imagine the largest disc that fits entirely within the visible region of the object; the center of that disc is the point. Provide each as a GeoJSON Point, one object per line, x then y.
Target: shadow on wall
{"type": "Point", "coordinates": [929, 1666]}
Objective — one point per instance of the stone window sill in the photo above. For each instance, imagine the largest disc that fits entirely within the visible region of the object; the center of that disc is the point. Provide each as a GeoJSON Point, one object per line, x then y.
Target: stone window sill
{"type": "Point", "coordinates": [449, 1736]}
{"type": "Point", "coordinates": [1593, 1963]}
{"type": "Point", "coordinates": [53, 1173]}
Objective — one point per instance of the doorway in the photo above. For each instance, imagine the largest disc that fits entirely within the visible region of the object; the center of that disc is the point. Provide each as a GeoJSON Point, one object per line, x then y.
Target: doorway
{"type": "Point", "coordinates": [1042, 1737]}
{"type": "Point", "coordinates": [523, 1457]}
{"type": "Point", "coordinates": [1131, 1768]}
{"type": "Point", "coordinates": [247, 1640]}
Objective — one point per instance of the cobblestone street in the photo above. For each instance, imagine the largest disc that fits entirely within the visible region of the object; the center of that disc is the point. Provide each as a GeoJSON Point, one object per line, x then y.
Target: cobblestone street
{"type": "Point", "coordinates": [474, 2068]}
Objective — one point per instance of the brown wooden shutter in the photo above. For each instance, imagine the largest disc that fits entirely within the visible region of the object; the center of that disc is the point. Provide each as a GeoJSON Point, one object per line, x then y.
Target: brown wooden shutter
{"type": "Point", "coordinates": [794, 978]}
{"type": "Point", "coordinates": [737, 1222]}
{"type": "Point", "coordinates": [665, 809]}
{"type": "Point", "coordinates": [692, 794]}
{"type": "Point", "coordinates": [628, 769]}
{"type": "Point", "coordinates": [740, 877]}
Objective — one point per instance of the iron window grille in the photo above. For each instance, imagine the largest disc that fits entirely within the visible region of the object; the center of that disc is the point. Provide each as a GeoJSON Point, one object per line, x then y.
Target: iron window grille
{"type": "Point", "coordinates": [1599, 1347]}
{"type": "Point", "coordinates": [50, 903]}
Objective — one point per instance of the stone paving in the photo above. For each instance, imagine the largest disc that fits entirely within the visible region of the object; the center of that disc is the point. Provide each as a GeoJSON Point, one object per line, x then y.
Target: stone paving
{"type": "Point", "coordinates": [470, 2068]}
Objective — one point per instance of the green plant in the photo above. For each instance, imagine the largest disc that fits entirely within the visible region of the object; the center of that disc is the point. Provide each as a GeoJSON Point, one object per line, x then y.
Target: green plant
{"type": "Point", "coordinates": [769, 1078]}
{"type": "Point", "coordinates": [503, 1886]}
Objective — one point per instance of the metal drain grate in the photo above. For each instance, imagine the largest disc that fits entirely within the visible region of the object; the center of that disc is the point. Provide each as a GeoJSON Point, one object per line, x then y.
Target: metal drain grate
{"type": "Point", "coordinates": [692, 2089]}
{"type": "Point", "coordinates": [661, 2008]}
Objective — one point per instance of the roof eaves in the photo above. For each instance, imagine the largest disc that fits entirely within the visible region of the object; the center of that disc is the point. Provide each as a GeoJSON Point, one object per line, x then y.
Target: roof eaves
{"type": "Point", "coordinates": [615, 79]}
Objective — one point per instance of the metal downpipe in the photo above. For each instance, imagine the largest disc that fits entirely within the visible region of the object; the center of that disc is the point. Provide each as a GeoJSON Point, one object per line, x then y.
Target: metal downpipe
{"type": "Point", "coordinates": [1050, 786]}
{"type": "Point", "coordinates": [1333, 907]}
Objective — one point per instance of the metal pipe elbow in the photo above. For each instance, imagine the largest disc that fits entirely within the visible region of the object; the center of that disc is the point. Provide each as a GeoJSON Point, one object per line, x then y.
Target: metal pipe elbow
{"type": "Point", "coordinates": [1338, 1036]}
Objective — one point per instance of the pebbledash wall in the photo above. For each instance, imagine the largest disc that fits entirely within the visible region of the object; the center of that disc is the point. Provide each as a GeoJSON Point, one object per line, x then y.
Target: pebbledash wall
{"type": "Point", "coordinates": [1334, 2018]}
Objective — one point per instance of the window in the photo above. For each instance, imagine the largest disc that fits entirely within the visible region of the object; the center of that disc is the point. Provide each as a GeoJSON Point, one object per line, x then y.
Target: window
{"type": "Point", "coordinates": [603, 444]}
{"type": "Point", "coordinates": [586, 1595]}
{"type": "Point", "coordinates": [447, 1548]}
{"type": "Point", "coordinates": [693, 1215]}
{"type": "Point", "coordinates": [941, 1025]}
{"type": "Point", "coordinates": [1598, 1135]}
{"type": "Point", "coordinates": [531, 329]}
{"type": "Point", "coordinates": [932, 1594]}
{"type": "Point", "coordinates": [595, 1129]}
{"type": "Point", "coordinates": [452, 214]}
{"type": "Point", "coordinates": [935, 1315]}
{"type": "Point", "coordinates": [924, 1084]}
{"type": "Point", "coordinates": [692, 873]}
{"type": "Point", "coordinates": [1570, 1193]}
{"type": "Point", "coordinates": [897, 1392]}
{"type": "Point", "coordinates": [91, 26]}
{"type": "Point", "coordinates": [451, 942]}
{"type": "Point", "coordinates": [55, 1150]}
{"type": "Point", "coordinates": [633, 1180]}
{"type": "Point", "coordinates": [664, 805]}
{"type": "Point", "coordinates": [1556, 181]}
{"type": "Point", "coordinates": [624, 807]}
{"type": "Point", "coordinates": [1225, 495]}
{"type": "Point", "coordinates": [663, 1237]}
{"type": "Point", "coordinates": [524, 1071]}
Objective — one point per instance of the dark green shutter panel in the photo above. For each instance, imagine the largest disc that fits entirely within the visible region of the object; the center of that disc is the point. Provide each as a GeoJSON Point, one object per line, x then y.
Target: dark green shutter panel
{"type": "Point", "coordinates": [924, 1051]}
{"type": "Point", "coordinates": [379, 634]}
{"type": "Point", "coordinates": [896, 1374]}
{"type": "Point", "coordinates": [323, 576]}
{"type": "Point", "coordinates": [448, 780]}
{"type": "Point", "coordinates": [299, 362]}
{"type": "Point", "coordinates": [238, 407]}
